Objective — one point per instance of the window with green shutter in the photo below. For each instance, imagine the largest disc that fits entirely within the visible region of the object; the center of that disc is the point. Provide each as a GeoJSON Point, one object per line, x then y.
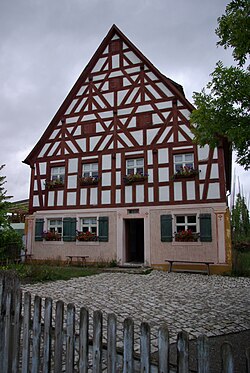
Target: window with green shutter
{"type": "Point", "coordinates": [205, 228]}
{"type": "Point", "coordinates": [69, 229]}
{"type": "Point", "coordinates": [103, 229]}
{"type": "Point", "coordinates": [166, 228]}
{"type": "Point", "coordinates": [39, 229]}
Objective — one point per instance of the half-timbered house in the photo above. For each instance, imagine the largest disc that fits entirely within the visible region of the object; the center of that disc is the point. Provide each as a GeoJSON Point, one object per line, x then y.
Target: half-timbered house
{"type": "Point", "coordinates": [116, 175]}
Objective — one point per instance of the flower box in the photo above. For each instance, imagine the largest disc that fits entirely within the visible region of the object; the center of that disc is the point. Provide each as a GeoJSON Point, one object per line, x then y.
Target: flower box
{"type": "Point", "coordinates": [52, 236]}
{"type": "Point", "coordinates": [185, 172]}
{"type": "Point", "coordinates": [89, 180]}
{"type": "Point", "coordinates": [86, 236]}
{"type": "Point", "coordinates": [134, 178]}
{"type": "Point", "coordinates": [53, 184]}
{"type": "Point", "coordinates": [186, 236]}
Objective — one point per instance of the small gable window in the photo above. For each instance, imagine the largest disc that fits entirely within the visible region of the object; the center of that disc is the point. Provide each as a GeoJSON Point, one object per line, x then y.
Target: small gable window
{"type": "Point", "coordinates": [115, 83]}
{"type": "Point", "coordinates": [143, 120]}
{"type": "Point", "coordinates": [115, 46]}
{"type": "Point", "coordinates": [89, 128]}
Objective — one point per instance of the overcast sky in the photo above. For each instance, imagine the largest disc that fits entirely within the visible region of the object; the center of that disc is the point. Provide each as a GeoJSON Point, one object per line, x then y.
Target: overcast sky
{"type": "Point", "coordinates": [44, 46]}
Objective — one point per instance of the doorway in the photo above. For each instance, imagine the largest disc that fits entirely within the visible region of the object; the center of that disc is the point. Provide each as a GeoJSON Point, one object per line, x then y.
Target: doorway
{"type": "Point", "coordinates": [134, 229]}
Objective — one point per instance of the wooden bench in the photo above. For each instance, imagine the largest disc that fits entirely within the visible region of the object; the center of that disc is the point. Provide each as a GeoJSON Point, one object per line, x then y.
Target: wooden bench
{"type": "Point", "coordinates": [79, 258]}
{"type": "Point", "coordinates": [170, 261]}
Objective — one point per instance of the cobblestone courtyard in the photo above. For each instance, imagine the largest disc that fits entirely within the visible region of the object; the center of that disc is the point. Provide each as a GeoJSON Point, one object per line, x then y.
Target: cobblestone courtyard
{"type": "Point", "coordinates": [213, 305]}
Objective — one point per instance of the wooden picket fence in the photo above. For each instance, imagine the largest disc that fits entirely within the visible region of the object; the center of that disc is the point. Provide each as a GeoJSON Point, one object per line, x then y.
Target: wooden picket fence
{"type": "Point", "coordinates": [38, 337]}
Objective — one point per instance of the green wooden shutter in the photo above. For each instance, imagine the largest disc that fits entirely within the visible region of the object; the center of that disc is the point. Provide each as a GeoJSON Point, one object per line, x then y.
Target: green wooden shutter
{"type": "Point", "coordinates": [69, 229]}
{"type": "Point", "coordinates": [166, 228]}
{"type": "Point", "coordinates": [205, 228]}
{"type": "Point", "coordinates": [103, 229]}
{"type": "Point", "coordinates": [39, 229]}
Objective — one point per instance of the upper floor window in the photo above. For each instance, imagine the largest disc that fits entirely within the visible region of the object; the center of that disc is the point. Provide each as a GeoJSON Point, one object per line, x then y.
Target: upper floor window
{"type": "Point", "coordinates": [90, 170]}
{"type": "Point", "coordinates": [135, 166]}
{"type": "Point", "coordinates": [115, 46]}
{"type": "Point", "coordinates": [89, 127]}
{"type": "Point", "coordinates": [58, 173]}
{"type": "Point", "coordinates": [183, 160]}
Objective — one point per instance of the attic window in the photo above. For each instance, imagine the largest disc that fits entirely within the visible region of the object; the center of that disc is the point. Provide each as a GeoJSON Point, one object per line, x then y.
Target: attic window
{"type": "Point", "coordinates": [143, 120]}
{"type": "Point", "coordinates": [115, 46]}
{"type": "Point", "coordinates": [89, 128]}
{"type": "Point", "coordinates": [116, 83]}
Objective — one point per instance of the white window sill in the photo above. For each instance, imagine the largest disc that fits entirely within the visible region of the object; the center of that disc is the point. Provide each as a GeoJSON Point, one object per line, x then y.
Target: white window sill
{"type": "Point", "coordinates": [53, 242]}
{"type": "Point", "coordinates": [183, 243]}
{"type": "Point", "coordinates": [87, 243]}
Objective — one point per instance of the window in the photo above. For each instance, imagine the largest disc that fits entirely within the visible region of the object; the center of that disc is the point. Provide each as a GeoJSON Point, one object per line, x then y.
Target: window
{"type": "Point", "coordinates": [135, 166]}
{"type": "Point", "coordinates": [143, 120]}
{"type": "Point", "coordinates": [186, 228]}
{"type": "Point", "coordinates": [58, 174]}
{"type": "Point", "coordinates": [183, 160]}
{"type": "Point", "coordinates": [89, 225]}
{"type": "Point", "coordinates": [90, 170]}
{"type": "Point", "coordinates": [115, 46]}
{"type": "Point", "coordinates": [89, 127]}
{"type": "Point", "coordinates": [115, 83]}
{"type": "Point", "coordinates": [54, 232]}
{"type": "Point", "coordinates": [185, 223]}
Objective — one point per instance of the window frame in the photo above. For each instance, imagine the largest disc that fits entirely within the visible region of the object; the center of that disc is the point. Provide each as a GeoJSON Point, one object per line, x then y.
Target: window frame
{"type": "Point", "coordinates": [57, 176]}
{"type": "Point", "coordinates": [183, 163]}
{"type": "Point", "coordinates": [89, 225]}
{"type": "Point", "coordinates": [135, 167]}
{"type": "Point", "coordinates": [91, 172]}
{"type": "Point", "coordinates": [55, 230]}
{"type": "Point", "coordinates": [186, 224]}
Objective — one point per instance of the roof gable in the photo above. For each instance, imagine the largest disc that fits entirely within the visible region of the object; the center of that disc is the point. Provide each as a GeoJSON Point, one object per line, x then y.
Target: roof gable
{"type": "Point", "coordinates": [91, 104]}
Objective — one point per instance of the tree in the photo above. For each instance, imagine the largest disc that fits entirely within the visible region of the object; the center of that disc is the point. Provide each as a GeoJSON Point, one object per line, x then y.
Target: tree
{"type": "Point", "coordinates": [4, 204]}
{"type": "Point", "coordinates": [223, 107]}
{"type": "Point", "coordinates": [240, 221]}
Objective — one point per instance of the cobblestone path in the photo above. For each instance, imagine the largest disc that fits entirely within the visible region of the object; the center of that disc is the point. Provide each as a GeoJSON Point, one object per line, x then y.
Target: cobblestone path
{"type": "Point", "coordinates": [213, 305]}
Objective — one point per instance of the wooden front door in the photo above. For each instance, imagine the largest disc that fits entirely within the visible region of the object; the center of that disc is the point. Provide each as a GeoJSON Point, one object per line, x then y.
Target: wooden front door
{"type": "Point", "coordinates": [134, 240]}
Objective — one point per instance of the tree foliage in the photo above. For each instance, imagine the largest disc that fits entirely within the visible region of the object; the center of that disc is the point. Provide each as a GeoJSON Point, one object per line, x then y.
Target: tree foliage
{"type": "Point", "coordinates": [234, 29]}
{"type": "Point", "coordinates": [240, 221]}
{"type": "Point", "coordinates": [4, 203]}
{"type": "Point", "coordinates": [223, 107]}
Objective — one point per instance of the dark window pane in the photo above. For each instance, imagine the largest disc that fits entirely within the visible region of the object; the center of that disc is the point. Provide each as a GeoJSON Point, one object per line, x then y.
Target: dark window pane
{"type": "Point", "coordinates": [192, 228]}
{"type": "Point", "coordinates": [180, 219]}
{"type": "Point", "coordinates": [181, 228]}
{"type": "Point", "coordinates": [191, 219]}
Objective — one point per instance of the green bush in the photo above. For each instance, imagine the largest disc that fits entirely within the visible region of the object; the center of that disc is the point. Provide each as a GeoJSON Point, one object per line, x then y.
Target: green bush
{"type": "Point", "coordinates": [10, 244]}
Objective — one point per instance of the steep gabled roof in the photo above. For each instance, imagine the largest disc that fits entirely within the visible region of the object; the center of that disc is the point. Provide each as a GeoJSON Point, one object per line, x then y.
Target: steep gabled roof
{"type": "Point", "coordinates": [175, 87]}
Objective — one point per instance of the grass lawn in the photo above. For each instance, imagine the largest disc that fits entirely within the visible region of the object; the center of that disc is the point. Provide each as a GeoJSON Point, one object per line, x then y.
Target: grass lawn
{"type": "Point", "coordinates": [31, 273]}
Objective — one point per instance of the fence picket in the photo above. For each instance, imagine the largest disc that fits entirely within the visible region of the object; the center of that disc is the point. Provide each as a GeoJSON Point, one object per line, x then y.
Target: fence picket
{"type": "Point", "coordinates": [111, 343]}
{"type": "Point", "coordinates": [203, 354]}
{"type": "Point", "coordinates": [145, 347]}
{"type": "Point", "coordinates": [182, 352]}
{"type": "Point", "coordinates": [59, 336]}
{"type": "Point", "coordinates": [83, 340]}
{"type": "Point", "coordinates": [36, 335]}
{"type": "Point", "coordinates": [70, 338]}
{"type": "Point", "coordinates": [26, 333]}
{"type": "Point", "coordinates": [128, 340]}
{"type": "Point", "coordinates": [248, 359]}
{"type": "Point", "coordinates": [7, 331]}
{"type": "Point", "coordinates": [16, 330]}
{"type": "Point", "coordinates": [97, 342]}
{"type": "Point", "coordinates": [163, 349]}
{"type": "Point", "coordinates": [227, 358]}
{"type": "Point", "coordinates": [2, 313]}
{"type": "Point", "coordinates": [47, 335]}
